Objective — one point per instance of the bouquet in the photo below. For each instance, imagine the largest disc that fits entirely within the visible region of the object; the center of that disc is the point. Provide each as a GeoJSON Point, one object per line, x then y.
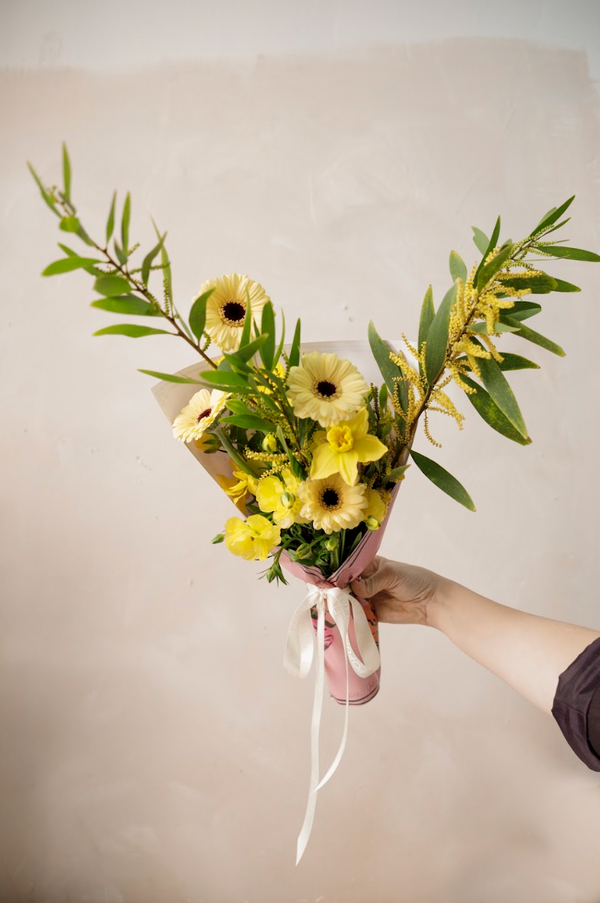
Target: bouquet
{"type": "Point", "coordinates": [312, 442]}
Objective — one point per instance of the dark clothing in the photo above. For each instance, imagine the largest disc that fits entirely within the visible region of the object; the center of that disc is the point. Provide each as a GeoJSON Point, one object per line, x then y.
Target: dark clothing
{"type": "Point", "coordinates": [576, 705]}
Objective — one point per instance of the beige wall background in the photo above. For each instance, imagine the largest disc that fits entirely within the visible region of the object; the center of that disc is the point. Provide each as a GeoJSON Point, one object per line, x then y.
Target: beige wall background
{"type": "Point", "coordinates": [152, 747]}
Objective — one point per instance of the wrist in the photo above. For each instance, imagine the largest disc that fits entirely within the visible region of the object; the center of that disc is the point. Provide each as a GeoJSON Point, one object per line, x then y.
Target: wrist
{"type": "Point", "coordinates": [440, 605]}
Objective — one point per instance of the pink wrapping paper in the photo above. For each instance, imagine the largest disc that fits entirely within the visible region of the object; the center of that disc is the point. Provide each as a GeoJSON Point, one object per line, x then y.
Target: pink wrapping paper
{"type": "Point", "coordinates": [362, 689]}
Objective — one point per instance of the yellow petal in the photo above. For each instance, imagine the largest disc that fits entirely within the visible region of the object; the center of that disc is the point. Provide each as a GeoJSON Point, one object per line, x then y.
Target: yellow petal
{"type": "Point", "coordinates": [325, 462]}
{"type": "Point", "coordinates": [268, 493]}
{"type": "Point", "coordinates": [348, 467]}
{"type": "Point", "coordinates": [369, 448]}
{"type": "Point", "coordinates": [359, 424]}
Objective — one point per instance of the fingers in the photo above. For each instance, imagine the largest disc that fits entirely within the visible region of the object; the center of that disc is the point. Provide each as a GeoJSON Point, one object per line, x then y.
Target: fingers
{"type": "Point", "coordinates": [372, 580]}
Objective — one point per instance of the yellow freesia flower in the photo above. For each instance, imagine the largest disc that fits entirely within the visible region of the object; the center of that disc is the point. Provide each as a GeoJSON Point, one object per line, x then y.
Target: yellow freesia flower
{"type": "Point", "coordinates": [343, 447]}
{"type": "Point", "coordinates": [279, 495]}
{"type": "Point", "coordinates": [239, 488]}
{"type": "Point", "coordinates": [252, 539]}
{"type": "Point", "coordinates": [377, 503]}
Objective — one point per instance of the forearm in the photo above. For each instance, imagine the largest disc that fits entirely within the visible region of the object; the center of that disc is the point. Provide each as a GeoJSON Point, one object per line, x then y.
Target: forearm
{"type": "Point", "coordinates": [526, 651]}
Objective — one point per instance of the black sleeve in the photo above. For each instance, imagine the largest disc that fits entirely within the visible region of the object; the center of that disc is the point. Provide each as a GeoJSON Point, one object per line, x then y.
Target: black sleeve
{"type": "Point", "coordinates": [576, 706]}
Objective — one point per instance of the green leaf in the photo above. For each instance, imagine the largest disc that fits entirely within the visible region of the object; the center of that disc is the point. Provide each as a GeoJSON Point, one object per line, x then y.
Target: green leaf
{"type": "Point", "coordinates": [198, 313]}
{"type": "Point", "coordinates": [443, 480]}
{"type": "Point", "coordinates": [487, 408]}
{"type": "Point", "coordinates": [458, 268]}
{"type": "Point", "coordinates": [425, 320]}
{"type": "Point", "coordinates": [510, 362]}
{"type": "Point", "coordinates": [535, 337]}
{"type": "Point", "coordinates": [125, 304]}
{"type": "Point", "coordinates": [294, 464]}
{"type": "Point", "coordinates": [481, 240]}
{"type": "Point", "coordinates": [516, 362]}
{"type": "Point", "coordinates": [391, 372]}
{"type": "Point", "coordinates": [111, 285]}
{"type": "Point", "coordinates": [69, 224]}
{"type": "Point", "coordinates": [110, 223]}
{"type": "Point", "coordinates": [250, 422]}
{"type": "Point", "coordinates": [125, 224]}
{"type": "Point", "coordinates": [246, 352]}
{"type": "Point", "coordinates": [131, 330]}
{"type": "Point", "coordinates": [225, 378]}
{"type": "Point", "coordinates": [383, 397]}
{"type": "Point", "coordinates": [267, 349]}
{"type": "Point", "coordinates": [122, 258]}
{"type": "Point", "coordinates": [540, 284]}
{"type": "Point", "coordinates": [569, 253]}
{"type": "Point", "coordinates": [238, 407]}
{"type": "Point", "coordinates": [553, 215]}
{"type": "Point", "coordinates": [437, 337]}
{"type": "Point", "coordinates": [67, 264]}
{"type": "Point", "coordinates": [562, 286]}
{"type": "Point", "coordinates": [397, 472]}
{"type": "Point", "coordinates": [491, 245]}
{"type": "Point", "coordinates": [170, 377]}
{"type": "Point", "coordinates": [294, 357]}
{"type": "Point", "coordinates": [45, 194]}
{"type": "Point", "coordinates": [147, 262]}
{"type": "Point", "coordinates": [523, 310]}
{"type": "Point", "coordinates": [487, 272]}
{"type": "Point", "coordinates": [281, 342]}
{"type": "Point", "coordinates": [501, 393]}
{"type": "Point", "coordinates": [499, 327]}
{"type": "Point", "coordinates": [66, 173]}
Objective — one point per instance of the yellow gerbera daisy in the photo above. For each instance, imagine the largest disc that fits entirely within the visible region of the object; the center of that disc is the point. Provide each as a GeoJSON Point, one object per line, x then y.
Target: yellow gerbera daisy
{"type": "Point", "coordinates": [331, 504]}
{"type": "Point", "coordinates": [343, 447]}
{"type": "Point", "coordinates": [279, 495]}
{"type": "Point", "coordinates": [202, 410]}
{"type": "Point", "coordinates": [252, 540]}
{"type": "Point", "coordinates": [326, 388]}
{"type": "Point", "coordinates": [226, 308]}
{"type": "Point", "coordinates": [240, 488]}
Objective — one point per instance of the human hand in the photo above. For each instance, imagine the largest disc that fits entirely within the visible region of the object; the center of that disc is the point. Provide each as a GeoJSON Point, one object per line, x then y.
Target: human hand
{"type": "Point", "coordinates": [400, 593]}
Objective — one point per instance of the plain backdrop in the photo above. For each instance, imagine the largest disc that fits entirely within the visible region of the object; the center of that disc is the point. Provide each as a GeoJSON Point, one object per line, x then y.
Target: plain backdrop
{"type": "Point", "coordinates": [152, 747]}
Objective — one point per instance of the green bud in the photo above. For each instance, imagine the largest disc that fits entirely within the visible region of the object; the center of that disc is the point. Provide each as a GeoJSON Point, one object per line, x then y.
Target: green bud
{"type": "Point", "coordinates": [287, 499]}
{"type": "Point", "coordinates": [303, 552]}
{"type": "Point", "coordinates": [372, 523]}
{"type": "Point", "coordinates": [218, 538]}
{"type": "Point", "coordinates": [269, 444]}
{"type": "Point", "coordinates": [331, 543]}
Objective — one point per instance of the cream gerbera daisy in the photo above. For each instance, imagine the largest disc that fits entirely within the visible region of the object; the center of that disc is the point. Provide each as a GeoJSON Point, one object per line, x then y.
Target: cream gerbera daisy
{"type": "Point", "coordinates": [325, 388]}
{"type": "Point", "coordinates": [202, 410]}
{"type": "Point", "coordinates": [226, 308]}
{"type": "Point", "coordinates": [331, 504]}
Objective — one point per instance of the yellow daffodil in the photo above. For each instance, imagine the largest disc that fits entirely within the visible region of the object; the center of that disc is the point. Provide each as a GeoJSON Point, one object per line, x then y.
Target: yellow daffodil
{"type": "Point", "coordinates": [377, 503]}
{"type": "Point", "coordinates": [279, 495]}
{"type": "Point", "coordinates": [343, 447]}
{"type": "Point", "coordinates": [252, 539]}
{"type": "Point", "coordinates": [241, 487]}
{"type": "Point", "coordinates": [331, 504]}
{"type": "Point", "coordinates": [226, 308]}
{"type": "Point", "coordinates": [325, 388]}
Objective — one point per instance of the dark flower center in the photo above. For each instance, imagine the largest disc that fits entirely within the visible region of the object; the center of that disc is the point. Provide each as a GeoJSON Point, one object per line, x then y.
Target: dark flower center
{"type": "Point", "coordinates": [204, 414]}
{"type": "Point", "coordinates": [330, 498]}
{"type": "Point", "coordinates": [326, 389]}
{"type": "Point", "coordinates": [233, 312]}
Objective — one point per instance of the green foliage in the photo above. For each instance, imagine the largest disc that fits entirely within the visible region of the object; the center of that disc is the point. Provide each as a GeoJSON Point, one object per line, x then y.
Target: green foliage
{"type": "Point", "coordinates": [197, 316]}
{"type": "Point", "coordinates": [131, 330]}
{"type": "Point", "coordinates": [501, 393]}
{"type": "Point", "coordinates": [391, 372]}
{"type": "Point", "coordinates": [66, 173]}
{"type": "Point", "coordinates": [126, 304]}
{"type": "Point", "coordinates": [437, 337]}
{"type": "Point", "coordinates": [110, 223]}
{"type": "Point", "coordinates": [443, 480]}
{"type": "Point", "coordinates": [67, 264]}
{"type": "Point", "coordinates": [481, 240]}
{"type": "Point", "coordinates": [487, 408]}
{"type": "Point", "coordinates": [170, 377]}
{"type": "Point", "coordinates": [111, 285]}
{"type": "Point", "coordinates": [458, 268]}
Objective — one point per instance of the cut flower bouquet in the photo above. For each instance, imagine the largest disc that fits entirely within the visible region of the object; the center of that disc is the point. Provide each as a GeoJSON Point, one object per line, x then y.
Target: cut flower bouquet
{"type": "Point", "coordinates": [311, 443]}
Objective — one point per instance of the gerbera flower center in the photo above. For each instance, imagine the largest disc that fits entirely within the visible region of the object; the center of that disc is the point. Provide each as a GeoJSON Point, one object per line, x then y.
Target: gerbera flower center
{"type": "Point", "coordinates": [206, 413]}
{"type": "Point", "coordinates": [233, 312]}
{"type": "Point", "coordinates": [326, 389]}
{"type": "Point", "coordinates": [330, 499]}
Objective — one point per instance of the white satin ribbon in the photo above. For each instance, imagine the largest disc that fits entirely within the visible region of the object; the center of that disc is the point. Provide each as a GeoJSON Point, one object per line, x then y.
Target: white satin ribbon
{"type": "Point", "coordinates": [298, 659]}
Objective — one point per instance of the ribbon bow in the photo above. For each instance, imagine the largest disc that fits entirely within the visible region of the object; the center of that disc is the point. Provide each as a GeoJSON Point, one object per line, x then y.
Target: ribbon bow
{"type": "Point", "coordinates": [298, 659]}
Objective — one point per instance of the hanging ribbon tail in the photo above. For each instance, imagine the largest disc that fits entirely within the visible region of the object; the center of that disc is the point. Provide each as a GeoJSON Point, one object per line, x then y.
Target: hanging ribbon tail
{"type": "Point", "coordinates": [298, 659]}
